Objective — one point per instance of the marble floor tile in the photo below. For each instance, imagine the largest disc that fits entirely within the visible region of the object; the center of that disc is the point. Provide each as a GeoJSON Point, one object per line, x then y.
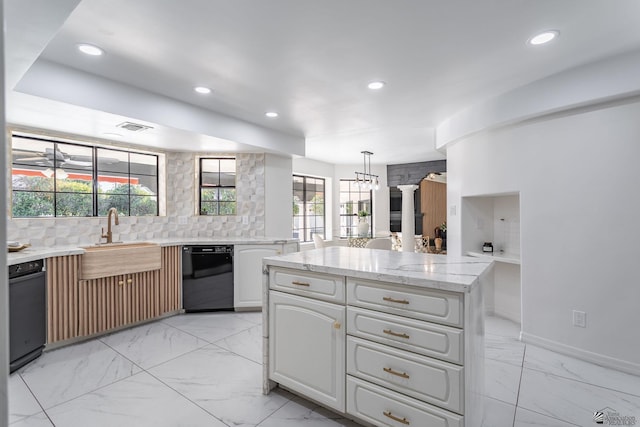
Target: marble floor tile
{"type": "Point", "coordinates": [226, 385]}
{"type": "Point", "coordinates": [22, 404]}
{"type": "Point", "coordinates": [568, 367]}
{"type": "Point", "coordinates": [38, 420]}
{"type": "Point", "coordinates": [247, 343]}
{"type": "Point", "coordinates": [209, 326]}
{"type": "Point", "coordinates": [502, 381]}
{"type": "Point", "coordinates": [507, 350]}
{"type": "Point", "coordinates": [571, 401]}
{"type": "Point", "coordinates": [499, 326]}
{"type": "Point", "coordinates": [151, 344]}
{"type": "Point", "coordinates": [72, 371]}
{"type": "Point", "coordinates": [140, 401]}
{"type": "Point", "coordinates": [300, 412]}
{"type": "Point", "coordinates": [250, 316]}
{"type": "Point", "coordinates": [526, 418]}
{"type": "Point", "coordinates": [498, 413]}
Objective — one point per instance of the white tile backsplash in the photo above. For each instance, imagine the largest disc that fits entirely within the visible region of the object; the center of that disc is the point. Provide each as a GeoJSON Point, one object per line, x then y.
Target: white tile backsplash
{"type": "Point", "coordinates": [181, 201]}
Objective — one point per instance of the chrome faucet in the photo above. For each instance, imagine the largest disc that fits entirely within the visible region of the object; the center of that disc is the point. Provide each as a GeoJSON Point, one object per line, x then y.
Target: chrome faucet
{"type": "Point", "coordinates": [109, 235]}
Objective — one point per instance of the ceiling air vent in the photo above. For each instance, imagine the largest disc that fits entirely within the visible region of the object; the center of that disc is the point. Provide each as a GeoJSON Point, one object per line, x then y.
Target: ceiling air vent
{"type": "Point", "coordinates": [133, 127]}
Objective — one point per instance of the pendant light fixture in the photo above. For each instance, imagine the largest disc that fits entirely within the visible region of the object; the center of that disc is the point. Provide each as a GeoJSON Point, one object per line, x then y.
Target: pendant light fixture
{"type": "Point", "coordinates": [366, 180]}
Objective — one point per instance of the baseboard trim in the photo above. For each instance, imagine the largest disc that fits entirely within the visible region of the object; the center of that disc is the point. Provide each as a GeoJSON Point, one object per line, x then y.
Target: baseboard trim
{"type": "Point", "coordinates": [588, 356]}
{"type": "Point", "coordinates": [510, 315]}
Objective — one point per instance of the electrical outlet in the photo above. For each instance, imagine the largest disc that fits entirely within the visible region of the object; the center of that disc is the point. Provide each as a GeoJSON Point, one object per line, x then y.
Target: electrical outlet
{"type": "Point", "coordinates": [579, 319]}
{"type": "Point", "coordinates": [245, 220]}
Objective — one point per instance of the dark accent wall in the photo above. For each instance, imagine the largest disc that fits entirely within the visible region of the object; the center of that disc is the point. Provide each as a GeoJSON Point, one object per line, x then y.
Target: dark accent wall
{"type": "Point", "coordinates": [412, 173]}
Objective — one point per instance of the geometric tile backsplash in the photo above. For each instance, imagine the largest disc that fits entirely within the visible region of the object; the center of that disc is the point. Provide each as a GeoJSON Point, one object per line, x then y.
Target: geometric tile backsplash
{"type": "Point", "coordinates": [180, 220]}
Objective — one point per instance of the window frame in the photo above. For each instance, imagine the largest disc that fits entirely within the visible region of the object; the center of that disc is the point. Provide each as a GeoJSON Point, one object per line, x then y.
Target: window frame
{"type": "Point", "coordinates": [305, 225]}
{"type": "Point", "coordinates": [234, 187]}
{"type": "Point", "coordinates": [360, 191]}
{"type": "Point", "coordinates": [94, 172]}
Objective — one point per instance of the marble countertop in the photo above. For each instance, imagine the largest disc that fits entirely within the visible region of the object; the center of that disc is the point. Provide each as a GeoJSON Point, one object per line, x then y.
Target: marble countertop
{"type": "Point", "coordinates": [33, 253]}
{"type": "Point", "coordinates": [446, 272]}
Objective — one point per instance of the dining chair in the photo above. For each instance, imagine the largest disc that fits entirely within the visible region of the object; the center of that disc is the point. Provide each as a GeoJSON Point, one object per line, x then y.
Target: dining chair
{"type": "Point", "coordinates": [318, 241]}
{"type": "Point", "coordinates": [381, 243]}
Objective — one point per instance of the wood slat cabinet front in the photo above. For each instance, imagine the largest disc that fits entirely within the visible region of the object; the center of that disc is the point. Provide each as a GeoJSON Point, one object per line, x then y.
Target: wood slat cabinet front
{"type": "Point", "coordinates": [77, 308]}
{"type": "Point", "coordinates": [111, 302]}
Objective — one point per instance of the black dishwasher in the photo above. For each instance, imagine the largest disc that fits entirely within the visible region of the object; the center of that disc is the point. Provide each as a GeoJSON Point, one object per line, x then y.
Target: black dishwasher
{"type": "Point", "coordinates": [207, 278]}
{"type": "Point", "coordinates": [27, 312]}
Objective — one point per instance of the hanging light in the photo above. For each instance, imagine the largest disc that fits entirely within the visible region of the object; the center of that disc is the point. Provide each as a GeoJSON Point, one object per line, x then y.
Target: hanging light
{"type": "Point", "coordinates": [366, 180]}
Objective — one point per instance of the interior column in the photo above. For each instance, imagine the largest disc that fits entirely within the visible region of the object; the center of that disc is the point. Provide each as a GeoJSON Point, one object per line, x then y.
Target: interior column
{"type": "Point", "coordinates": [408, 225]}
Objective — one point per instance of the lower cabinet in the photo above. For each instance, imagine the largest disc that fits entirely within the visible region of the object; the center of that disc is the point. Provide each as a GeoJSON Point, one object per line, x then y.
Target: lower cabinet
{"type": "Point", "coordinates": [111, 302]}
{"type": "Point", "coordinates": [247, 271]}
{"type": "Point", "coordinates": [77, 308]}
{"type": "Point", "coordinates": [387, 365]}
{"type": "Point", "coordinates": [307, 347]}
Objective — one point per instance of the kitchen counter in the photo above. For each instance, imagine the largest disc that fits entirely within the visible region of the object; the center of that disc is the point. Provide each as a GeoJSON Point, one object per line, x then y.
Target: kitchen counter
{"type": "Point", "coordinates": [33, 253]}
{"type": "Point", "coordinates": [377, 335]}
{"type": "Point", "coordinates": [445, 272]}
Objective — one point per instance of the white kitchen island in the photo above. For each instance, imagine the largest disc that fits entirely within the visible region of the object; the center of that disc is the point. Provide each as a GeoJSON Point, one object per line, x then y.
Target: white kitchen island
{"type": "Point", "coordinates": [387, 338]}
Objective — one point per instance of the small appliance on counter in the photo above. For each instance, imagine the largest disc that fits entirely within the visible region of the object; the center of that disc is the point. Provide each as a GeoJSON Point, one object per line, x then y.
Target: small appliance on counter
{"type": "Point", "coordinates": [27, 312]}
{"type": "Point", "coordinates": [487, 247]}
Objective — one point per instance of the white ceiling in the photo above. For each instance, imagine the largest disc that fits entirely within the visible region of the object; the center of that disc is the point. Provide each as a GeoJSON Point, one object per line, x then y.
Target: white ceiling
{"type": "Point", "coordinates": [311, 61]}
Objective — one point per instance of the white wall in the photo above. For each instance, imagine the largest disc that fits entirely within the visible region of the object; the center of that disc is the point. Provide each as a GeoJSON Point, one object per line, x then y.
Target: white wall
{"type": "Point", "coordinates": [4, 285]}
{"type": "Point", "coordinates": [278, 188]}
{"type": "Point", "coordinates": [577, 176]}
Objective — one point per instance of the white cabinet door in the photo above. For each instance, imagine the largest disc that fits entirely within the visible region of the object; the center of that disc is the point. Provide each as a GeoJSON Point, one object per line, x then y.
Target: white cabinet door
{"type": "Point", "coordinates": [247, 273]}
{"type": "Point", "coordinates": [306, 347]}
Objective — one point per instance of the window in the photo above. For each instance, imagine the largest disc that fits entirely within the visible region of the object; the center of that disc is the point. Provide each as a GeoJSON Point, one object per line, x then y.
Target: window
{"type": "Point", "coordinates": [353, 199]}
{"type": "Point", "coordinates": [52, 178]}
{"type": "Point", "coordinates": [308, 208]}
{"type": "Point", "coordinates": [217, 186]}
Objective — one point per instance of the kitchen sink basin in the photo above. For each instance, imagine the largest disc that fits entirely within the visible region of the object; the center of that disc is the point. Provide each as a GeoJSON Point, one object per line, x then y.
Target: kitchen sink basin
{"type": "Point", "coordinates": [112, 259]}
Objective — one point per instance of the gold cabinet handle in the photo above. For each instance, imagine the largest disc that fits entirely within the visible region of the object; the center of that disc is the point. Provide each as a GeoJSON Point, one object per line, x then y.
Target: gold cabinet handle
{"type": "Point", "coordinates": [395, 334]}
{"type": "Point", "coordinates": [129, 281]}
{"type": "Point", "coordinates": [394, 418]}
{"type": "Point", "coordinates": [399, 301]}
{"type": "Point", "coordinates": [121, 282]}
{"type": "Point", "coordinates": [295, 282]}
{"type": "Point", "coordinates": [337, 325]}
{"type": "Point", "coordinates": [396, 373]}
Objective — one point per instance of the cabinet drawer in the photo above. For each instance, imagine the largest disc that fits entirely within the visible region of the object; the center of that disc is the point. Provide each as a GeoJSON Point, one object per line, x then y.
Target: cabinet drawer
{"type": "Point", "coordinates": [424, 304]}
{"type": "Point", "coordinates": [430, 380]}
{"type": "Point", "coordinates": [382, 407]}
{"type": "Point", "coordinates": [430, 339]}
{"type": "Point", "coordinates": [316, 285]}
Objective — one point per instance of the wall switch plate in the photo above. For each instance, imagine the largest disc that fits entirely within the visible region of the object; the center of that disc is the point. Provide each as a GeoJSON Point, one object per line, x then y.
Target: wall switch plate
{"type": "Point", "coordinates": [579, 319]}
{"type": "Point", "coordinates": [245, 219]}
{"type": "Point", "coordinates": [452, 210]}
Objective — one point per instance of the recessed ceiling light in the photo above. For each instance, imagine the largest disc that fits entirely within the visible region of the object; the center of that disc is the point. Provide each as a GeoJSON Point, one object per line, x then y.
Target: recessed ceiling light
{"type": "Point", "coordinates": [544, 37]}
{"type": "Point", "coordinates": [90, 49]}
{"type": "Point", "coordinates": [376, 85]}
{"type": "Point", "coordinates": [202, 89]}
{"type": "Point", "coordinates": [271, 114]}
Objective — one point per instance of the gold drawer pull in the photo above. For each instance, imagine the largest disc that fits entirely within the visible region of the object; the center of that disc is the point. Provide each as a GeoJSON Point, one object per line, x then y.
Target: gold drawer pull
{"type": "Point", "coordinates": [396, 373]}
{"type": "Point", "coordinates": [295, 282]}
{"type": "Point", "coordinates": [121, 282]}
{"type": "Point", "coordinates": [395, 334]}
{"type": "Point", "coordinates": [399, 301]}
{"type": "Point", "coordinates": [337, 325]}
{"type": "Point", "coordinates": [129, 281]}
{"type": "Point", "coordinates": [394, 418]}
